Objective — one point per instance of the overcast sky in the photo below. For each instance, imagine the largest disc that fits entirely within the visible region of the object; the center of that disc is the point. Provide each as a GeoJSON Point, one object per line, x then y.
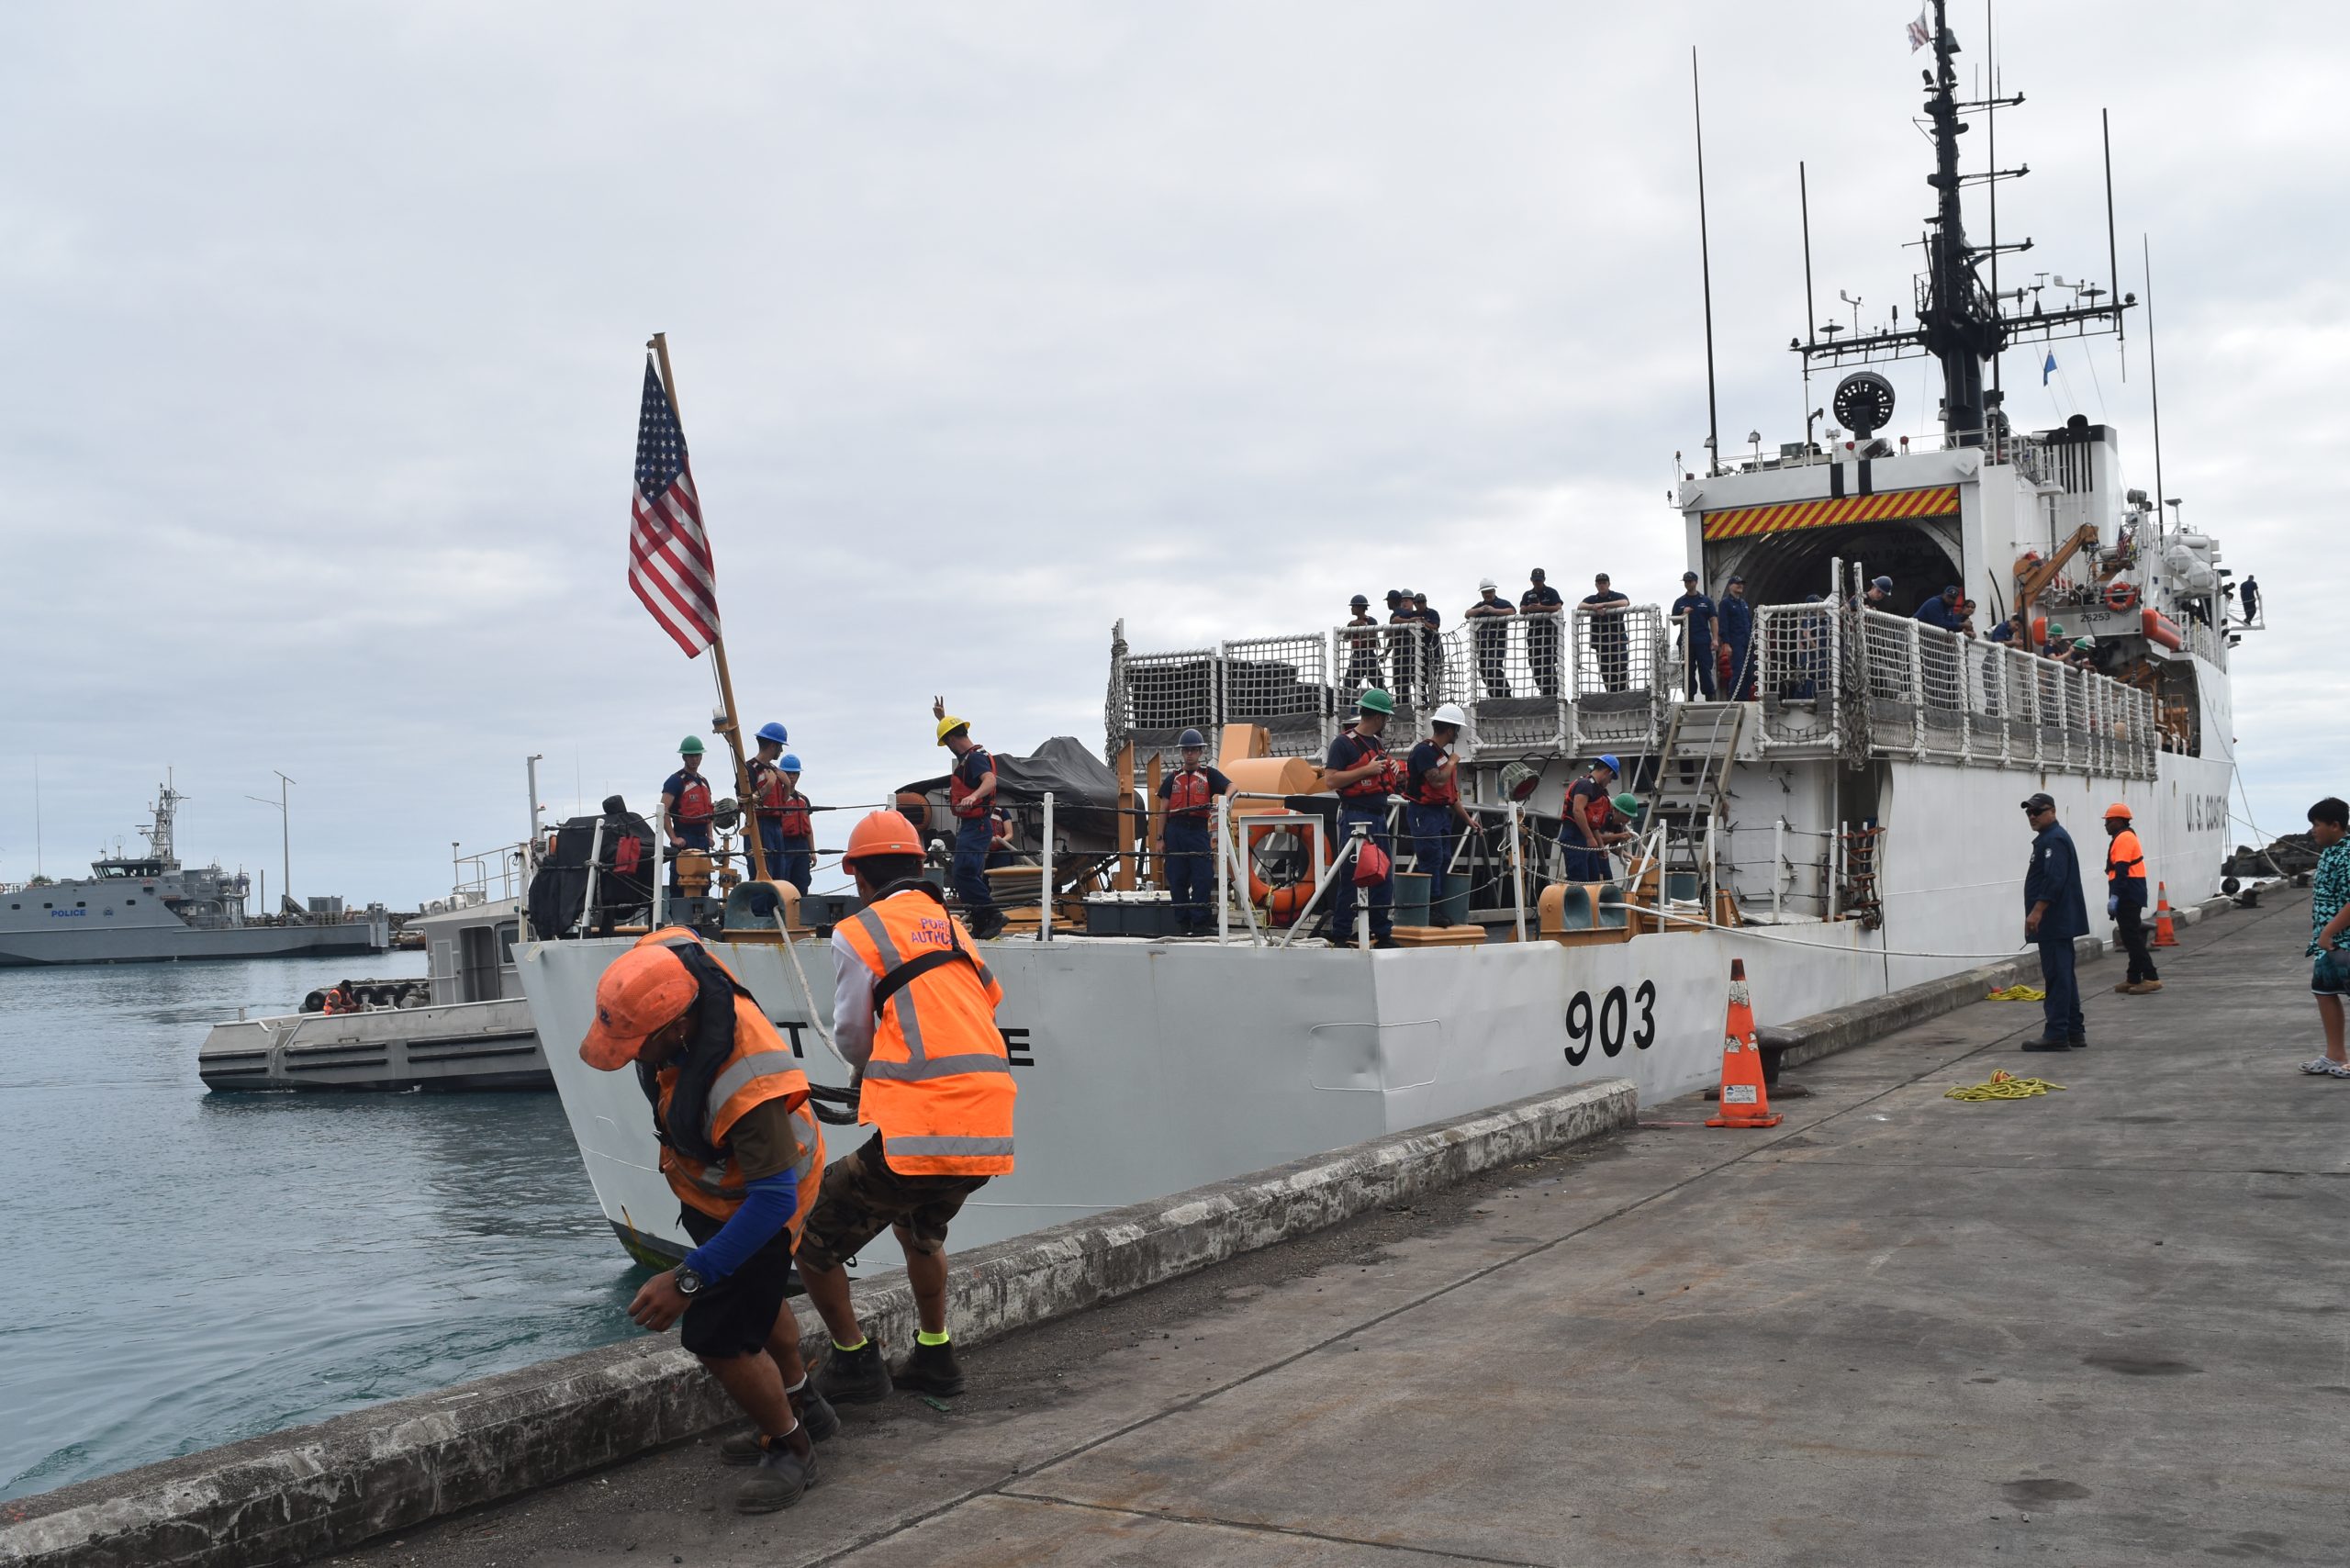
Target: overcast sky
{"type": "Point", "coordinates": [325, 324]}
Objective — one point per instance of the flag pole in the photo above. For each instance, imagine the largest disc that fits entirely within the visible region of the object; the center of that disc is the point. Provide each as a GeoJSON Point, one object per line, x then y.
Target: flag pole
{"type": "Point", "coordinates": [730, 722]}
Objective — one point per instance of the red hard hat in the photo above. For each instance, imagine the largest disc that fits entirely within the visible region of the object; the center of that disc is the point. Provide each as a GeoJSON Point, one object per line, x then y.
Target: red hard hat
{"type": "Point", "coordinates": [882, 832]}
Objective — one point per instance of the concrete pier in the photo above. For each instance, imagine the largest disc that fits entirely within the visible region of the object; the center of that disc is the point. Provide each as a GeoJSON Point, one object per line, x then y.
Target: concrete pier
{"type": "Point", "coordinates": [2105, 1327]}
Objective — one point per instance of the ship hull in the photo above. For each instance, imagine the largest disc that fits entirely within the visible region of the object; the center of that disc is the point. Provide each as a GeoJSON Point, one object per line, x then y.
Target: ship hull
{"type": "Point", "coordinates": [170, 944]}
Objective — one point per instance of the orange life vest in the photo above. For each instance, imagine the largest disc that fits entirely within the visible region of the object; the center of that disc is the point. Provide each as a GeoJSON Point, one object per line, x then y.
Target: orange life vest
{"type": "Point", "coordinates": [938, 1084]}
{"type": "Point", "coordinates": [958, 794]}
{"type": "Point", "coordinates": [1190, 794]}
{"type": "Point", "coordinates": [1377, 785]}
{"type": "Point", "coordinates": [691, 807]}
{"type": "Point", "coordinates": [760, 1068]}
{"type": "Point", "coordinates": [1433, 791]}
{"type": "Point", "coordinates": [788, 809]}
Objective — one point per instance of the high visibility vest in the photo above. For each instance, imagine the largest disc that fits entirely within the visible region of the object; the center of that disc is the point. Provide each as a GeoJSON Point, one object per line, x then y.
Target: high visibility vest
{"type": "Point", "coordinates": [938, 1084]}
{"type": "Point", "coordinates": [2125, 864]}
{"type": "Point", "coordinates": [761, 1068]}
{"type": "Point", "coordinates": [1190, 794]}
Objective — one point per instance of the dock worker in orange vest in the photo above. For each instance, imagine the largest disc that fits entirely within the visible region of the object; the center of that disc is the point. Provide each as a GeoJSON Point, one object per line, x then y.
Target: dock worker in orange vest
{"type": "Point", "coordinates": [2125, 898]}
{"type": "Point", "coordinates": [913, 1011]}
{"type": "Point", "coordinates": [741, 1149]}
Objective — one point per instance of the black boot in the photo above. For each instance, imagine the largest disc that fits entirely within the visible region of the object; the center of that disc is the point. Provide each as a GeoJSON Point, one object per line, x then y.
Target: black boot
{"type": "Point", "coordinates": [815, 1412]}
{"type": "Point", "coordinates": [853, 1377]}
{"type": "Point", "coordinates": [931, 1369]}
{"type": "Point", "coordinates": [787, 1467]}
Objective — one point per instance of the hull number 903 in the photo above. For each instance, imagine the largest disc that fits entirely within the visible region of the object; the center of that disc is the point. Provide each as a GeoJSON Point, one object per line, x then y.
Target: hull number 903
{"type": "Point", "coordinates": [1611, 1021]}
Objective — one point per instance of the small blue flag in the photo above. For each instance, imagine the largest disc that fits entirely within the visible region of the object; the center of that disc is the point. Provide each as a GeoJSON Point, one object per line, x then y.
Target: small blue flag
{"type": "Point", "coordinates": [2049, 369]}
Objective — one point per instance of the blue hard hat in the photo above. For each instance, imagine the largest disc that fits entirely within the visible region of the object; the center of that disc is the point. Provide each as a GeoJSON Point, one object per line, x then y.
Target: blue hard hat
{"type": "Point", "coordinates": [775, 733]}
{"type": "Point", "coordinates": [1607, 760]}
{"type": "Point", "coordinates": [1191, 738]}
{"type": "Point", "coordinates": [788, 762]}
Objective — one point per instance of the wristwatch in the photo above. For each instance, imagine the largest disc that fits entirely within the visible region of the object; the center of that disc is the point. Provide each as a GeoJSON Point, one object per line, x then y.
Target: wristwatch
{"type": "Point", "coordinates": [684, 1279]}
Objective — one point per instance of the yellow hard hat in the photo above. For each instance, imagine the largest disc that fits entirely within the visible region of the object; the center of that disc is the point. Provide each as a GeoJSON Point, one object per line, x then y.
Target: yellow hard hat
{"type": "Point", "coordinates": [949, 724]}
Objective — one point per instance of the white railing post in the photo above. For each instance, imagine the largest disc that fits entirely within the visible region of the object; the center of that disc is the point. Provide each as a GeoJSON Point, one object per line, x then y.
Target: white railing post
{"type": "Point", "coordinates": [1917, 688]}
{"type": "Point", "coordinates": [1517, 872]}
{"type": "Point", "coordinates": [1223, 869]}
{"type": "Point", "coordinates": [594, 862]}
{"type": "Point", "coordinates": [1045, 917]}
{"type": "Point", "coordinates": [660, 880]}
{"type": "Point", "coordinates": [1778, 864]}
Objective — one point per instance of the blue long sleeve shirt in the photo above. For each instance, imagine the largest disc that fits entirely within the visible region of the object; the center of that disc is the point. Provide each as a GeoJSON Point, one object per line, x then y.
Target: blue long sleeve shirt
{"type": "Point", "coordinates": [2056, 876]}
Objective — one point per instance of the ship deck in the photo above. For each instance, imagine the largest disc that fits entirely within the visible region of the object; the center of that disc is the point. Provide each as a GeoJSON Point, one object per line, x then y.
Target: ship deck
{"type": "Point", "coordinates": [1894, 1328]}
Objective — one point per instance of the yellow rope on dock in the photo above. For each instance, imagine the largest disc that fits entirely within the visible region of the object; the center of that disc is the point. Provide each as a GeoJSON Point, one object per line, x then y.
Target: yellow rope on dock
{"type": "Point", "coordinates": [2018, 993]}
{"type": "Point", "coordinates": [2003, 1085]}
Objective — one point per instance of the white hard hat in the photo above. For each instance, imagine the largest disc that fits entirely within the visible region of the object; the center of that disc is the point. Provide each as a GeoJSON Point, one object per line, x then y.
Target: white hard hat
{"type": "Point", "coordinates": [1451, 713]}
{"type": "Point", "coordinates": [1484, 584]}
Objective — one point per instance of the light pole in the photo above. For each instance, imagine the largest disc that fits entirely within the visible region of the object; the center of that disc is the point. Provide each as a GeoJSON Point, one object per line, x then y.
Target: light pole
{"type": "Point", "coordinates": [285, 836]}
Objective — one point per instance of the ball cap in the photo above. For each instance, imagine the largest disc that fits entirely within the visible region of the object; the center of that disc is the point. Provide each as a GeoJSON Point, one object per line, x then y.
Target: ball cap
{"type": "Point", "coordinates": [2040, 802]}
{"type": "Point", "coordinates": [2116, 809]}
{"type": "Point", "coordinates": [1883, 583]}
{"type": "Point", "coordinates": [1688, 576]}
{"type": "Point", "coordinates": [645, 990]}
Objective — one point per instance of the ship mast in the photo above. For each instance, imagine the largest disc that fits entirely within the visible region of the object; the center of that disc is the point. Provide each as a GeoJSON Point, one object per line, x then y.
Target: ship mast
{"type": "Point", "coordinates": [1959, 322]}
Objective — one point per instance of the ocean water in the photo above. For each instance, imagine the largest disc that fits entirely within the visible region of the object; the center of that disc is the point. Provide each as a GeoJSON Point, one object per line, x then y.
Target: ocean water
{"type": "Point", "coordinates": [187, 1268]}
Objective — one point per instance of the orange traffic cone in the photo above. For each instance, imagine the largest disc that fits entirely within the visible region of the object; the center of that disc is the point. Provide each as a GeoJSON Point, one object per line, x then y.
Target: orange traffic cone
{"type": "Point", "coordinates": [1743, 1103]}
{"type": "Point", "coordinates": [2164, 935]}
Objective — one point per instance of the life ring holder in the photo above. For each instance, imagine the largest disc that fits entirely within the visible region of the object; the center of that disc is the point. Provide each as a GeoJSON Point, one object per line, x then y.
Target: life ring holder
{"type": "Point", "coordinates": [2121, 595]}
{"type": "Point", "coordinates": [1283, 904]}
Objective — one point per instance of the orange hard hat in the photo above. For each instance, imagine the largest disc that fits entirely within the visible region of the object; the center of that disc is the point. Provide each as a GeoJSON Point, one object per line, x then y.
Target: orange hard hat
{"type": "Point", "coordinates": [2116, 809]}
{"type": "Point", "coordinates": [882, 832]}
{"type": "Point", "coordinates": [645, 991]}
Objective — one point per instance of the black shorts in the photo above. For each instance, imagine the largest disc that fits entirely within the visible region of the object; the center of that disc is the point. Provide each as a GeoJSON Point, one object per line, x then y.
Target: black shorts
{"type": "Point", "coordinates": [862, 1197]}
{"type": "Point", "coordinates": [735, 1316]}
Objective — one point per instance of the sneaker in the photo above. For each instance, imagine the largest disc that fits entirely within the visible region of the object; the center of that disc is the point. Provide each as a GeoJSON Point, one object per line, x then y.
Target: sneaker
{"type": "Point", "coordinates": [2319, 1067]}
{"type": "Point", "coordinates": [2046, 1046]}
{"type": "Point", "coordinates": [853, 1377]}
{"type": "Point", "coordinates": [931, 1369]}
{"type": "Point", "coordinates": [781, 1477]}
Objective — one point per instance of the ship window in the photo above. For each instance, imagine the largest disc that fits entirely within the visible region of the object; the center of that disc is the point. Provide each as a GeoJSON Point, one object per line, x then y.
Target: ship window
{"type": "Point", "coordinates": [128, 903]}
{"type": "Point", "coordinates": [49, 906]}
{"type": "Point", "coordinates": [81, 903]}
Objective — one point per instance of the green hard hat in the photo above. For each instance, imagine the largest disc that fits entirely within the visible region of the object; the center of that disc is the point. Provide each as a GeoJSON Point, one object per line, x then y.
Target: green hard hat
{"type": "Point", "coordinates": [2055, 630]}
{"type": "Point", "coordinates": [1374, 700]}
{"type": "Point", "coordinates": [1627, 803]}
{"type": "Point", "coordinates": [691, 747]}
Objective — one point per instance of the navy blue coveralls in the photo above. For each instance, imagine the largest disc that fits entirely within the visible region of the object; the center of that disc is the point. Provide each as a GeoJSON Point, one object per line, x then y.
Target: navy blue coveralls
{"type": "Point", "coordinates": [1699, 635]}
{"type": "Point", "coordinates": [1368, 806]}
{"type": "Point", "coordinates": [1431, 823]}
{"type": "Point", "coordinates": [2056, 876]}
{"type": "Point", "coordinates": [1191, 854]}
{"type": "Point", "coordinates": [973, 835]}
{"type": "Point", "coordinates": [1585, 863]}
{"type": "Point", "coordinates": [1737, 617]}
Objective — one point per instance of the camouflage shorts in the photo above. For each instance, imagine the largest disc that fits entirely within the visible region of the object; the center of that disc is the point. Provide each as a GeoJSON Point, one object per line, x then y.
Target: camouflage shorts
{"type": "Point", "coordinates": [862, 1197]}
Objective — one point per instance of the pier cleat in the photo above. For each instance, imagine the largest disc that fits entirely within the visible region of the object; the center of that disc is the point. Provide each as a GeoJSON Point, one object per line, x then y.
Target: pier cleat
{"type": "Point", "coordinates": [782, 1476]}
{"type": "Point", "coordinates": [853, 1377]}
{"type": "Point", "coordinates": [931, 1369]}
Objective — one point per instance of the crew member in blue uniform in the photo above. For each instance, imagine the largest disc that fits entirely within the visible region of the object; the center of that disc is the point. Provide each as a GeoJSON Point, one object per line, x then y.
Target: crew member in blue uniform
{"type": "Point", "coordinates": [793, 858]}
{"type": "Point", "coordinates": [1362, 648]}
{"type": "Point", "coordinates": [1431, 646]}
{"type": "Point", "coordinates": [1611, 644]}
{"type": "Point", "coordinates": [684, 805]}
{"type": "Point", "coordinates": [1542, 602]}
{"type": "Point", "coordinates": [1737, 618]}
{"type": "Point", "coordinates": [1942, 609]}
{"type": "Point", "coordinates": [1403, 647]}
{"type": "Point", "coordinates": [2054, 913]}
{"type": "Point", "coordinates": [1359, 769]}
{"type": "Point", "coordinates": [970, 795]}
{"type": "Point", "coordinates": [766, 796]}
{"type": "Point", "coordinates": [1694, 612]}
{"type": "Point", "coordinates": [1188, 795]}
{"type": "Point", "coordinates": [1432, 785]}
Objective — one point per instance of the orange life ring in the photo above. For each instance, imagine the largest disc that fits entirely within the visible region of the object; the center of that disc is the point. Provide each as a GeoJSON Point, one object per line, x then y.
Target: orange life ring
{"type": "Point", "coordinates": [1284, 904]}
{"type": "Point", "coordinates": [2121, 594]}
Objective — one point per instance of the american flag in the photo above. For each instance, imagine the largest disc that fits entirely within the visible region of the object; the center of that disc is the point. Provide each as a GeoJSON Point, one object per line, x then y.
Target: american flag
{"type": "Point", "coordinates": [668, 554]}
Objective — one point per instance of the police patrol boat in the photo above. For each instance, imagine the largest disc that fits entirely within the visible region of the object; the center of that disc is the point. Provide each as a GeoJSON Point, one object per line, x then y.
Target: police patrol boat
{"type": "Point", "coordinates": [150, 908]}
{"type": "Point", "coordinates": [1845, 820]}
